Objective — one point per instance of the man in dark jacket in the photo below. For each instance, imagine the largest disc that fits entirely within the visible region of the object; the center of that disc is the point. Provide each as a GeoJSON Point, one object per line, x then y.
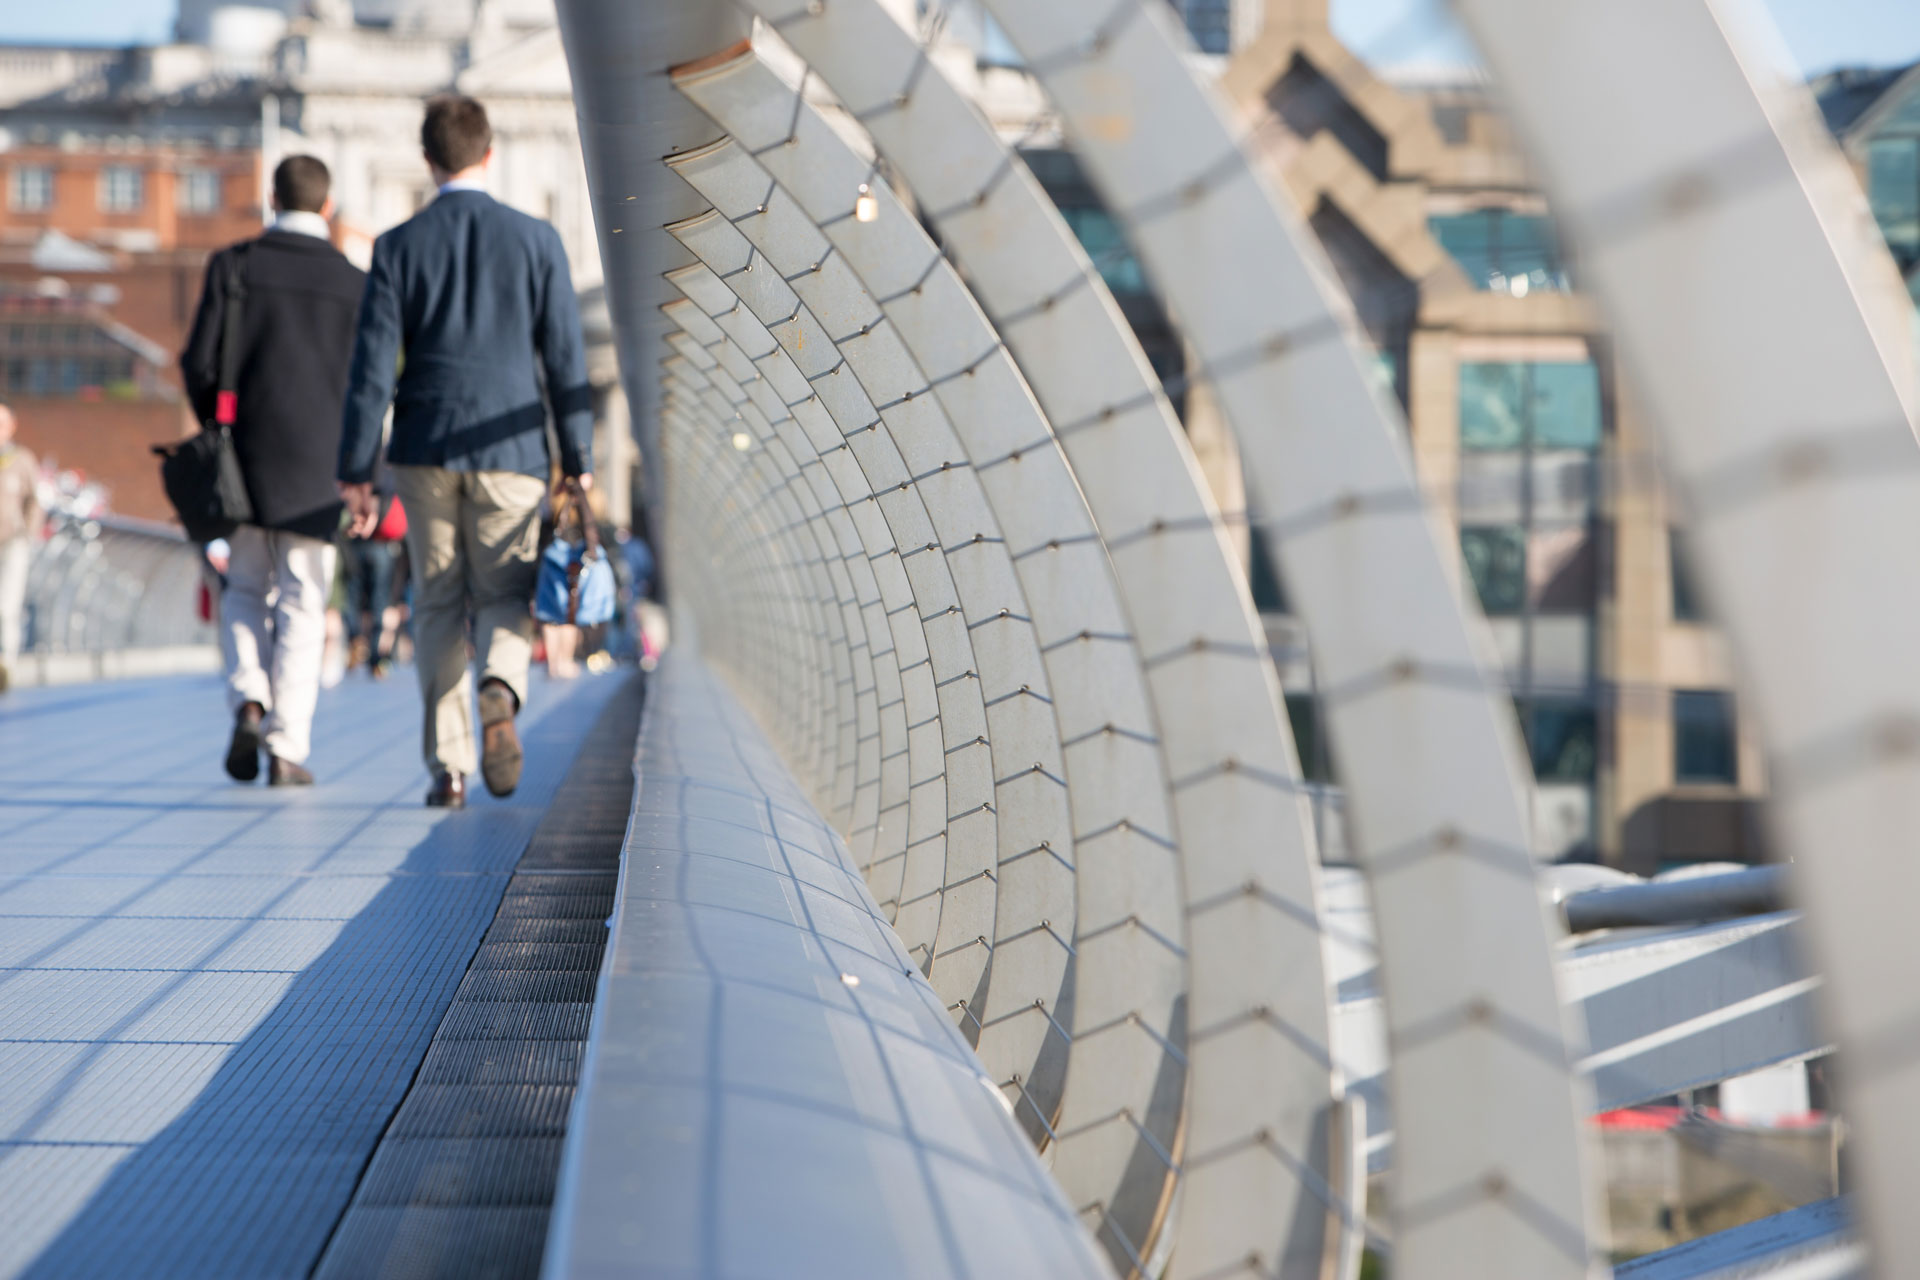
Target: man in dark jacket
{"type": "Point", "coordinates": [297, 296]}
{"type": "Point", "coordinates": [478, 300]}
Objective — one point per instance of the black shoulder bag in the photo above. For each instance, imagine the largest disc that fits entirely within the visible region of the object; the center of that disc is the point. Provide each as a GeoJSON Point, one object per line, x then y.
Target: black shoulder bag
{"type": "Point", "coordinates": [202, 474]}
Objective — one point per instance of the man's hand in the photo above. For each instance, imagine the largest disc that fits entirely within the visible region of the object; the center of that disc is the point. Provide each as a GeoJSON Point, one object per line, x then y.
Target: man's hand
{"type": "Point", "coordinates": [363, 509]}
{"type": "Point", "coordinates": [584, 481]}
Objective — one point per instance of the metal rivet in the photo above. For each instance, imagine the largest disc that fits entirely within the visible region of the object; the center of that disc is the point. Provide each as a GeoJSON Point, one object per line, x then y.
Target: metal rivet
{"type": "Point", "coordinates": [1686, 193]}
{"type": "Point", "coordinates": [1802, 462]}
{"type": "Point", "coordinates": [1896, 738]}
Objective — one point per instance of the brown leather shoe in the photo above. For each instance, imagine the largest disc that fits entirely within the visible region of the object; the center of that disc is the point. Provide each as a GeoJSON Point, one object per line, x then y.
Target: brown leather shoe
{"type": "Point", "coordinates": [449, 791]}
{"type": "Point", "coordinates": [500, 756]}
{"type": "Point", "coordinates": [285, 773]}
{"type": "Point", "coordinates": [243, 753]}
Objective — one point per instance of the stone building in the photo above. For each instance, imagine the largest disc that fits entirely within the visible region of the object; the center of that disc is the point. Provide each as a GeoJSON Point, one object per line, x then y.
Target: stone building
{"type": "Point", "coordinates": [1527, 440]}
{"type": "Point", "coordinates": [1522, 430]}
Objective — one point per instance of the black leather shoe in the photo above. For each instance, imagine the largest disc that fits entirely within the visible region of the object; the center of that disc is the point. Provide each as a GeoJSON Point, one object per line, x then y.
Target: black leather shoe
{"type": "Point", "coordinates": [500, 755]}
{"type": "Point", "coordinates": [243, 753]}
{"type": "Point", "coordinates": [285, 773]}
{"type": "Point", "coordinates": [449, 791]}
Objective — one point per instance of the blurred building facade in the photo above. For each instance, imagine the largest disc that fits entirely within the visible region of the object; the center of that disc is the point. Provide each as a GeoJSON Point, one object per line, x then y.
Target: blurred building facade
{"type": "Point", "coordinates": [1522, 431]}
{"type": "Point", "coordinates": [1875, 115]}
{"type": "Point", "coordinates": [121, 167]}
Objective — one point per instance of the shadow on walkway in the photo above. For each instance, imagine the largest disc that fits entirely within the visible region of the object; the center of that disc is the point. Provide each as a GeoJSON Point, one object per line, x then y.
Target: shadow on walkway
{"type": "Point", "coordinates": [250, 1179]}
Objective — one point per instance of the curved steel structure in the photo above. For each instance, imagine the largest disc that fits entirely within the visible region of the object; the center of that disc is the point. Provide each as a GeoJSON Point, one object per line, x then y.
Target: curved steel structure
{"type": "Point", "coordinates": [928, 513]}
{"type": "Point", "coordinates": [1791, 434]}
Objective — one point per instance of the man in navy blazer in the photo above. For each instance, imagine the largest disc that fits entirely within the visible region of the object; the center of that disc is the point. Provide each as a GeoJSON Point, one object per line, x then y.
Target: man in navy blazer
{"type": "Point", "coordinates": [469, 308]}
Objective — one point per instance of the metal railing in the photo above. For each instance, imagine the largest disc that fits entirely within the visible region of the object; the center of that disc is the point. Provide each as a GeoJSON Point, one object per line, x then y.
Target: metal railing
{"type": "Point", "coordinates": [102, 583]}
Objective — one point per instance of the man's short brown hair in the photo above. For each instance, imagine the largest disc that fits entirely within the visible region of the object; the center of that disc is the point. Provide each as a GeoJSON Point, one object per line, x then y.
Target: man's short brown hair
{"type": "Point", "coordinates": [455, 134]}
{"type": "Point", "coordinates": [301, 184]}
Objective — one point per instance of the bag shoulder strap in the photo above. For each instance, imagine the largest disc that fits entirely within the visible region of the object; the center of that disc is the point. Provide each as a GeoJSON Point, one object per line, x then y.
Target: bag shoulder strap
{"type": "Point", "coordinates": [227, 395]}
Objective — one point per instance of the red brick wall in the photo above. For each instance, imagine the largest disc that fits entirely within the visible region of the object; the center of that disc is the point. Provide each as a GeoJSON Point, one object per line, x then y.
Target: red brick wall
{"type": "Point", "coordinates": [109, 440]}
{"type": "Point", "coordinates": [76, 197]}
{"type": "Point", "coordinates": [158, 292]}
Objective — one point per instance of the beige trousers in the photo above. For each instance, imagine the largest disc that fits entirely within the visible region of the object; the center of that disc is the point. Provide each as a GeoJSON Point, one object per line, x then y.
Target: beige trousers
{"type": "Point", "coordinates": [273, 630]}
{"type": "Point", "coordinates": [473, 540]}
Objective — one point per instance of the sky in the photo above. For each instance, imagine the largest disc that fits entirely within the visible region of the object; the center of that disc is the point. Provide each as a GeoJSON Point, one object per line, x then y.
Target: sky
{"type": "Point", "coordinates": [1820, 34]}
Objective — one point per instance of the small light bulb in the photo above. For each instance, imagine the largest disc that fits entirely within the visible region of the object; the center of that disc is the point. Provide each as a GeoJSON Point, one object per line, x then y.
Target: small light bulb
{"type": "Point", "coordinates": [742, 441]}
{"type": "Point", "coordinates": [866, 208]}
{"type": "Point", "coordinates": [851, 979]}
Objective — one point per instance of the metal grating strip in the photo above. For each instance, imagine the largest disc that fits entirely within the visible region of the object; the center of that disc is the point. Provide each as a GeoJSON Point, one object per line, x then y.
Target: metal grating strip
{"type": "Point", "coordinates": [461, 1184]}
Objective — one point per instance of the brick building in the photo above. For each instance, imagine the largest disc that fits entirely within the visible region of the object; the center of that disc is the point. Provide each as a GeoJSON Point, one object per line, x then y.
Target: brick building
{"type": "Point", "coordinates": [130, 193]}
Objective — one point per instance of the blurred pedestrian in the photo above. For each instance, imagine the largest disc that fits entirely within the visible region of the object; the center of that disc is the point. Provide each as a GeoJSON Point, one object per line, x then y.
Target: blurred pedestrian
{"type": "Point", "coordinates": [481, 299]}
{"type": "Point", "coordinates": [296, 296]}
{"type": "Point", "coordinates": [371, 562]}
{"type": "Point", "coordinates": [20, 520]}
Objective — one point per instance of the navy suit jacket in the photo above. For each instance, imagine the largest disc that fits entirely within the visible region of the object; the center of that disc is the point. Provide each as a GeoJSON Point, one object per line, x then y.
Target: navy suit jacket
{"type": "Point", "coordinates": [477, 301]}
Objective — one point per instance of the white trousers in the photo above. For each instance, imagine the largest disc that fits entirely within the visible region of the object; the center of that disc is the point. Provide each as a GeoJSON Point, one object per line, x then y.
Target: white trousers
{"type": "Point", "coordinates": [273, 630]}
{"type": "Point", "coordinates": [15, 555]}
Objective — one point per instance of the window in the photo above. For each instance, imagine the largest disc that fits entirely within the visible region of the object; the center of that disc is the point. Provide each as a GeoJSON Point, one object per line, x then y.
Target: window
{"type": "Point", "coordinates": [1497, 563]}
{"type": "Point", "coordinates": [1506, 252]}
{"type": "Point", "coordinates": [197, 191]}
{"type": "Point", "coordinates": [1686, 601]}
{"type": "Point", "coordinates": [1563, 739]}
{"type": "Point", "coordinates": [1704, 747]}
{"type": "Point", "coordinates": [1101, 237]}
{"type": "Point", "coordinates": [1210, 22]}
{"type": "Point", "coordinates": [30, 188]}
{"type": "Point", "coordinates": [1309, 739]}
{"type": "Point", "coordinates": [1453, 121]}
{"type": "Point", "coordinates": [123, 189]}
{"type": "Point", "coordinates": [1263, 579]}
{"type": "Point", "coordinates": [1544, 405]}
{"type": "Point", "coordinates": [1893, 189]}
{"type": "Point", "coordinates": [1307, 102]}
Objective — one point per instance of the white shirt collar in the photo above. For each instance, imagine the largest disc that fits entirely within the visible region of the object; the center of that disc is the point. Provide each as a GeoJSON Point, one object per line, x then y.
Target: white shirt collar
{"type": "Point", "coordinates": [303, 223]}
{"type": "Point", "coordinates": [463, 184]}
